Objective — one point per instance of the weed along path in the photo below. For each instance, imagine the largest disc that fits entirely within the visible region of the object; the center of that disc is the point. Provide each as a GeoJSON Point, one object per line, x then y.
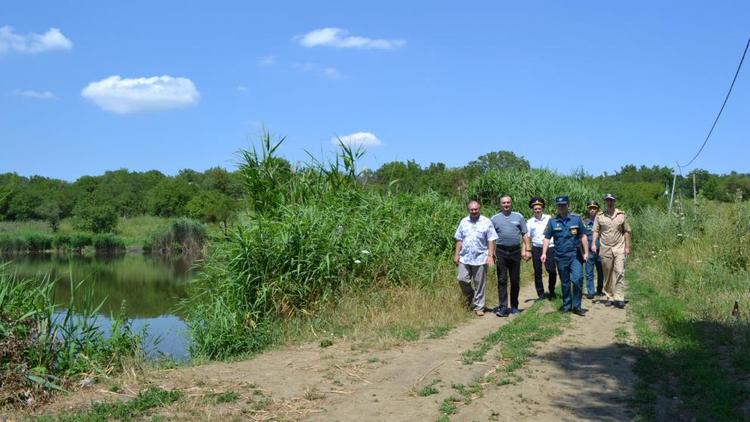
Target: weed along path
{"type": "Point", "coordinates": [541, 365]}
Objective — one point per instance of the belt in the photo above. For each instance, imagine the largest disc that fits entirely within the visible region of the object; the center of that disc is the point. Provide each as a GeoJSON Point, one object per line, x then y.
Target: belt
{"type": "Point", "coordinates": [509, 248]}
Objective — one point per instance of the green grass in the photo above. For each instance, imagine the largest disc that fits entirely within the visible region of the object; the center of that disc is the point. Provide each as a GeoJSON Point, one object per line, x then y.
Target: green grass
{"type": "Point", "coordinates": [682, 290]}
{"type": "Point", "coordinates": [46, 348]}
{"type": "Point", "coordinates": [536, 324]}
{"type": "Point", "coordinates": [429, 389]}
{"type": "Point", "coordinates": [135, 408]}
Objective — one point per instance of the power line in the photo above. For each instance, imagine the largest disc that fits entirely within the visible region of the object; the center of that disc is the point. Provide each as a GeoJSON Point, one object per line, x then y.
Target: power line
{"type": "Point", "coordinates": [720, 111]}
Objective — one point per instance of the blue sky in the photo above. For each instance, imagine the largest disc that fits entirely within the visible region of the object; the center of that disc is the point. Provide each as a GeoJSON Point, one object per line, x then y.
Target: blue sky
{"type": "Point", "coordinates": [92, 86]}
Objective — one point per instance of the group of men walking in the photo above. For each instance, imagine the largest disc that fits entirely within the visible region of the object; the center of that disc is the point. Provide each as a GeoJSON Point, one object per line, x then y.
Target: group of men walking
{"type": "Point", "coordinates": [564, 245]}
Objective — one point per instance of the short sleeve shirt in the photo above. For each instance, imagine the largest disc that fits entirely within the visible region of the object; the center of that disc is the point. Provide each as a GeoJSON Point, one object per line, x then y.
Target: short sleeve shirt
{"type": "Point", "coordinates": [536, 228]}
{"type": "Point", "coordinates": [509, 228]}
{"type": "Point", "coordinates": [567, 232]}
{"type": "Point", "coordinates": [475, 237]}
{"type": "Point", "coordinates": [612, 229]}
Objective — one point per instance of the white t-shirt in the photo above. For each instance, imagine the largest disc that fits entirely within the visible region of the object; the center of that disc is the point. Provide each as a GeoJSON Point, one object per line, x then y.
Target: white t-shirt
{"type": "Point", "coordinates": [536, 230]}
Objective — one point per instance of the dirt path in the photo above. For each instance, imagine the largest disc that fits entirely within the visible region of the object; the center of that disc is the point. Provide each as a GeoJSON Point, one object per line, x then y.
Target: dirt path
{"type": "Point", "coordinates": [580, 374]}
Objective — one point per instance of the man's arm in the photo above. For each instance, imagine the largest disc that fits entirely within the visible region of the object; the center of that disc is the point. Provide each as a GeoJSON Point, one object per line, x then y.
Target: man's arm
{"type": "Point", "coordinates": [585, 245]}
{"type": "Point", "coordinates": [627, 243]}
{"type": "Point", "coordinates": [491, 253]}
{"type": "Point", "coordinates": [457, 255]}
{"type": "Point", "coordinates": [595, 235]}
{"type": "Point", "coordinates": [545, 245]}
{"type": "Point", "coordinates": [526, 247]}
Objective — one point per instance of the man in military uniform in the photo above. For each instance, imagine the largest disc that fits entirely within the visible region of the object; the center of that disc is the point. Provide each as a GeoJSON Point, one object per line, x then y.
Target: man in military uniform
{"type": "Point", "coordinates": [594, 261]}
{"type": "Point", "coordinates": [536, 225]}
{"type": "Point", "coordinates": [613, 228]}
{"type": "Point", "coordinates": [571, 251]}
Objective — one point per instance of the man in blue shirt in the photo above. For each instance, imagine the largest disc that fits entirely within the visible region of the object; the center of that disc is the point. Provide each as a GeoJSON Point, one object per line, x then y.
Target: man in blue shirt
{"type": "Point", "coordinates": [511, 230]}
{"type": "Point", "coordinates": [594, 260]}
{"type": "Point", "coordinates": [571, 251]}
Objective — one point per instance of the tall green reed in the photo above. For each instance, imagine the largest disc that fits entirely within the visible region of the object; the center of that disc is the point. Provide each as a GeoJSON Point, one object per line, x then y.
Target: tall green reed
{"type": "Point", "coordinates": [308, 232]}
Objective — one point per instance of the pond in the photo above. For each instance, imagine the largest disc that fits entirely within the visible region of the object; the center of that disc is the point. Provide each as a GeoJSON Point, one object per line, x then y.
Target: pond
{"type": "Point", "coordinates": [149, 287]}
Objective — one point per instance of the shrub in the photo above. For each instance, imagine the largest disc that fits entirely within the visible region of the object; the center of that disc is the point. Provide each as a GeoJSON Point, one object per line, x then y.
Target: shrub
{"type": "Point", "coordinates": [522, 185]}
{"type": "Point", "coordinates": [79, 241]}
{"type": "Point", "coordinates": [61, 242]}
{"type": "Point", "coordinates": [108, 243]}
{"type": "Point", "coordinates": [181, 236]}
{"type": "Point", "coordinates": [39, 242]}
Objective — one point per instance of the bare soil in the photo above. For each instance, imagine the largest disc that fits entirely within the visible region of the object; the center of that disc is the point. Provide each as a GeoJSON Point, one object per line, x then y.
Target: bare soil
{"type": "Point", "coordinates": [583, 374]}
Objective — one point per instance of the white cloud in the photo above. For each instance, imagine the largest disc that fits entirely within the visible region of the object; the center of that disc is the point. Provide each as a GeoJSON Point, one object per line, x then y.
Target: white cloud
{"type": "Point", "coordinates": [327, 71]}
{"type": "Point", "coordinates": [53, 39]}
{"type": "Point", "coordinates": [124, 96]}
{"type": "Point", "coordinates": [361, 139]}
{"type": "Point", "coordinates": [331, 73]}
{"type": "Point", "coordinates": [241, 88]}
{"type": "Point", "coordinates": [340, 38]}
{"type": "Point", "coordinates": [267, 61]}
{"type": "Point", "coordinates": [39, 95]}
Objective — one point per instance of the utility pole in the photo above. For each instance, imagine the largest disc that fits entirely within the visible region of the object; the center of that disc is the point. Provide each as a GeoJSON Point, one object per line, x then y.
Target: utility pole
{"type": "Point", "coordinates": [671, 197]}
{"type": "Point", "coordinates": [695, 194]}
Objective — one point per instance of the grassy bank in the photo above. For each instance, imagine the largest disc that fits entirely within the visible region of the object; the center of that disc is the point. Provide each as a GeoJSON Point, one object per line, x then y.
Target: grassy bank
{"type": "Point", "coordinates": [694, 354]}
{"type": "Point", "coordinates": [46, 348]}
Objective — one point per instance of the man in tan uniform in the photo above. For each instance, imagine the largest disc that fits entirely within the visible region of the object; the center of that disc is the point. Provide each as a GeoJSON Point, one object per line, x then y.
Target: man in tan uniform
{"type": "Point", "coordinates": [612, 229]}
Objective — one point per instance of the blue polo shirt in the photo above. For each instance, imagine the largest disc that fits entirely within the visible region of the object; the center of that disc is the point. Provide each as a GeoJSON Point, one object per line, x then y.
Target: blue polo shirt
{"type": "Point", "coordinates": [567, 233]}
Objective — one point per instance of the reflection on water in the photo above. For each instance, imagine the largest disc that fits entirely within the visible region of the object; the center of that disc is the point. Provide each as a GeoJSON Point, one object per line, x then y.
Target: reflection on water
{"type": "Point", "coordinates": [150, 287]}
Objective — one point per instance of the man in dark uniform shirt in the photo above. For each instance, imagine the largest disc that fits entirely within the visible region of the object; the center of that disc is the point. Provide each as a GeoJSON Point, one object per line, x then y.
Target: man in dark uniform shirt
{"type": "Point", "coordinates": [571, 251]}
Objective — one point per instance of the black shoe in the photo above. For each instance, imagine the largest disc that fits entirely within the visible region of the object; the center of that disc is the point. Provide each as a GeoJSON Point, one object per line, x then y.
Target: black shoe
{"type": "Point", "coordinates": [590, 296]}
{"type": "Point", "coordinates": [619, 304]}
{"type": "Point", "coordinates": [608, 303]}
{"type": "Point", "coordinates": [501, 311]}
{"type": "Point", "coordinates": [540, 298]}
{"type": "Point", "coordinates": [584, 310]}
{"type": "Point", "coordinates": [551, 295]}
{"type": "Point", "coordinates": [515, 311]}
{"type": "Point", "coordinates": [579, 312]}
{"type": "Point", "coordinates": [599, 293]}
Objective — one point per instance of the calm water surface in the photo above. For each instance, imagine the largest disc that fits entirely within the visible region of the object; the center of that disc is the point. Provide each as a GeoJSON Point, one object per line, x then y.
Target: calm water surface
{"type": "Point", "coordinates": [149, 287]}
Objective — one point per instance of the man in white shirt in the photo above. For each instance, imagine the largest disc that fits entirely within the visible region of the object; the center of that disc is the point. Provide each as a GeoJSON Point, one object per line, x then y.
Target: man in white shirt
{"type": "Point", "coordinates": [536, 225]}
{"type": "Point", "coordinates": [475, 251]}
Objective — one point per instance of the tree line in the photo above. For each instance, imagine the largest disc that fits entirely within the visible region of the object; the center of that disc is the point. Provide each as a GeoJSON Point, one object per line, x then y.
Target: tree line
{"type": "Point", "coordinates": [96, 202]}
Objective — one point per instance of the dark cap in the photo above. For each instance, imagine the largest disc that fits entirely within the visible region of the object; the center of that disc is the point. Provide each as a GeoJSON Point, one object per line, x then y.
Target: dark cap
{"type": "Point", "coordinates": [562, 200]}
{"type": "Point", "coordinates": [610, 196]}
{"type": "Point", "coordinates": [536, 200]}
{"type": "Point", "coordinates": [592, 204]}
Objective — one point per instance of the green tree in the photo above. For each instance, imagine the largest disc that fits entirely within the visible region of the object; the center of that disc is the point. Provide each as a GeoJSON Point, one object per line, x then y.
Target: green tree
{"type": "Point", "coordinates": [95, 217]}
{"type": "Point", "coordinates": [169, 198]}
{"type": "Point", "coordinates": [50, 211]}
{"type": "Point", "coordinates": [500, 160]}
{"type": "Point", "coordinates": [213, 207]}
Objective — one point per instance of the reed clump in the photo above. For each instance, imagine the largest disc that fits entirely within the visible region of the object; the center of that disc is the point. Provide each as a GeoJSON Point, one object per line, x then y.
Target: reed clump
{"type": "Point", "coordinates": [309, 232]}
{"type": "Point", "coordinates": [181, 236]}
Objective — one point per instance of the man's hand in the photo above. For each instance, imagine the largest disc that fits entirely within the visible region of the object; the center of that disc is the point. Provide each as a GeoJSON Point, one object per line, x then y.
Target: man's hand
{"type": "Point", "coordinates": [585, 257]}
{"type": "Point", "coordinates": [543, 258]}
{"type": "Point", "coordinates": [526, 255]}
{"type": "Point", "coordinates": [490, 260]}
{"type": "Point", "coordinates": [455, 259]}
{"type": "Point", "coordinates": [627, 250]}
{"type": "Point", "coordinates": [593, 248]}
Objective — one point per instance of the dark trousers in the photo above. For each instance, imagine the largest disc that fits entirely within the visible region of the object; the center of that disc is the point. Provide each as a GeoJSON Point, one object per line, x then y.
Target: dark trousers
{"type": "Point", "coordinates": [508, 262]}
{"type": "Point", "coordinates": [536, 258]}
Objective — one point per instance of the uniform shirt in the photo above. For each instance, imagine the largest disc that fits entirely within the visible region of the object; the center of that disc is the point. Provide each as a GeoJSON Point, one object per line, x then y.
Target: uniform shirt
{"type": "Point", "coordinates": [612, 229]}
{"type": "Point", "coordinates": [536, 228]}
{"type": "Point", "coordinates": [590, 231]}
{"type": "Point", "coordinates": [509, 228]}
{"type": "Point", "coordinates": [567, 233]}
{"type": "Point", "coordinates": [475, 237]}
